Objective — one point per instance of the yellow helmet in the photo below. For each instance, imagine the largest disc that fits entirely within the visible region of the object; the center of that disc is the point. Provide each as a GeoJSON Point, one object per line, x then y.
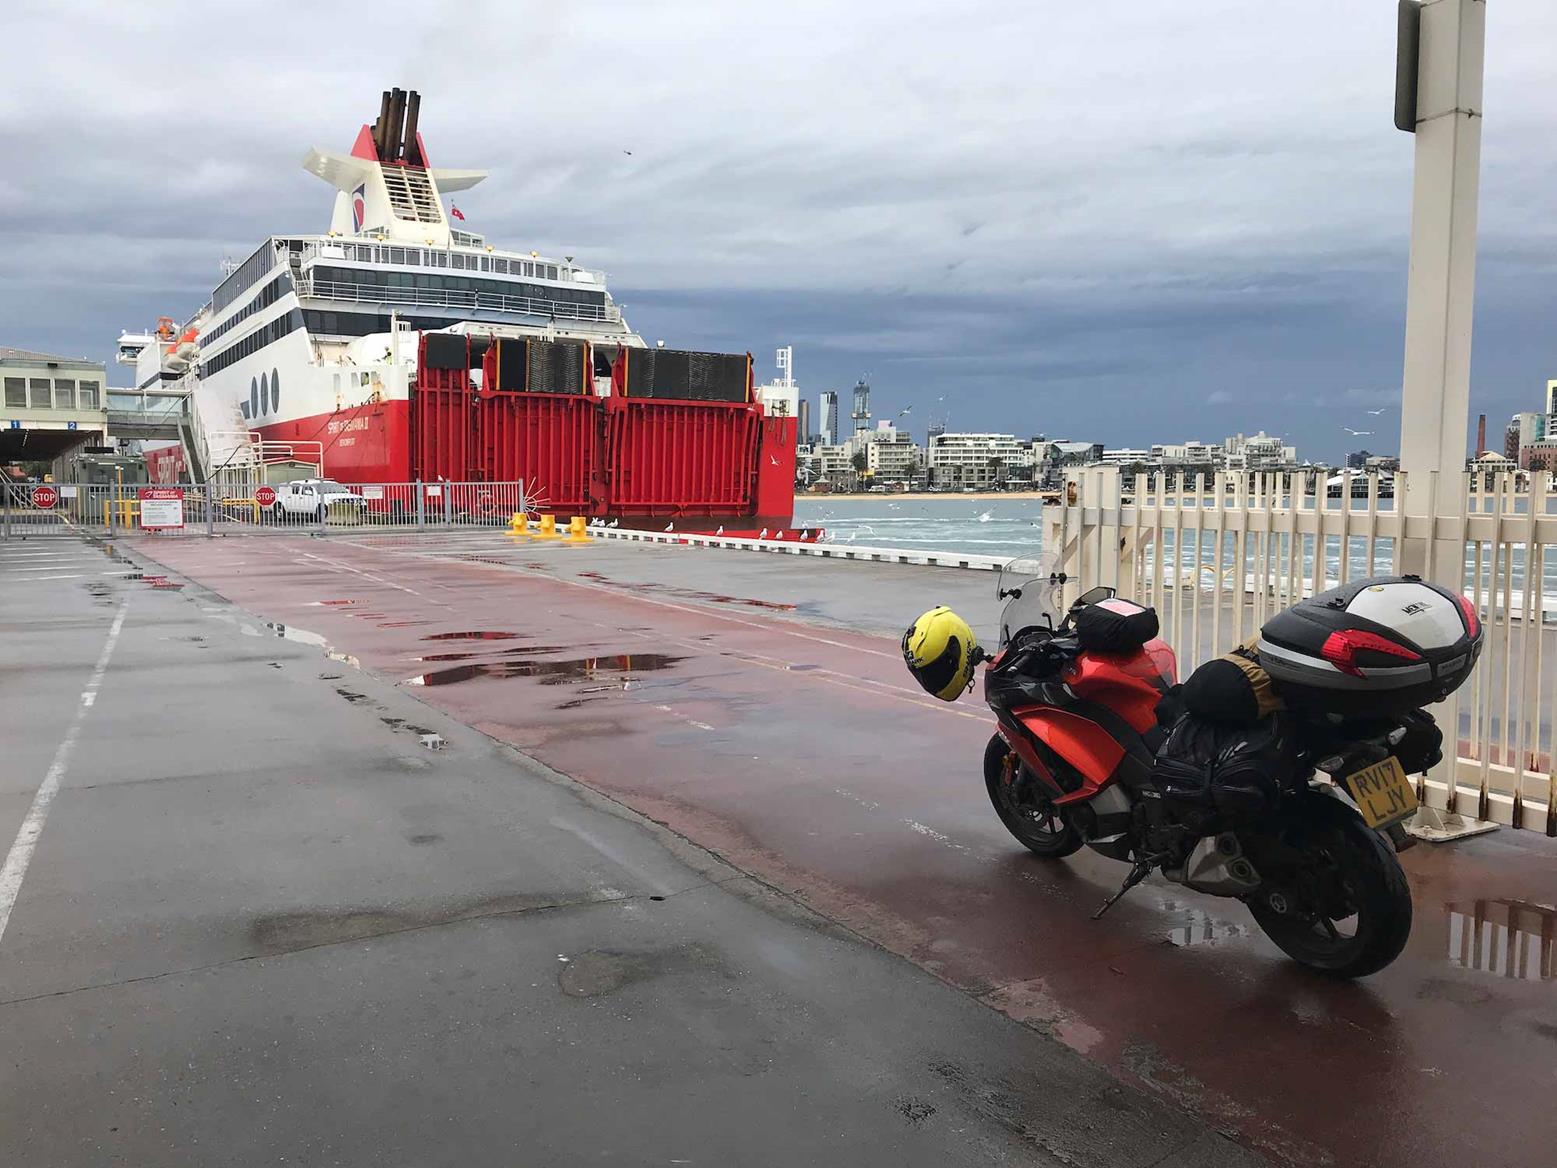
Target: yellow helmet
{"type": "Point", "coordinates": [940, 651]}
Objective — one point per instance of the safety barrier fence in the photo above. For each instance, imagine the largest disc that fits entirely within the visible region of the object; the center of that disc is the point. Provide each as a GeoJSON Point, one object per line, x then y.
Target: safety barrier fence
{"type": "Point", "coordinates": [1218, 555]}
{"type": "Point", "coordinates": [230, 507]}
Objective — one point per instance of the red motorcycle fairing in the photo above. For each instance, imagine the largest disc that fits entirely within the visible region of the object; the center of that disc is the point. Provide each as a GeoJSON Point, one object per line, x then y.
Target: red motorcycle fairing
{"type": "Point", "coordinates": [1131, 684]}
{"type": "Point", "coordinates": [1081, 742]}
{"type": "Point", "coordinates": [1106, 729]}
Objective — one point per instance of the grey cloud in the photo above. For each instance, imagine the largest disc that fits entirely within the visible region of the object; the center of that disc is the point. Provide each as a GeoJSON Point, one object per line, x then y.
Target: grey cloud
{"type": "Point", "coordinates": [1102, 214]}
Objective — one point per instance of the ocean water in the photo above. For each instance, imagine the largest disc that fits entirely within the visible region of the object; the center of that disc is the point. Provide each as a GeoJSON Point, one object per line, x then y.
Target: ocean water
{"type": "Point", "coordinates": [1008, 528]}
{"type": "Point", "coordinates": [954, 523]}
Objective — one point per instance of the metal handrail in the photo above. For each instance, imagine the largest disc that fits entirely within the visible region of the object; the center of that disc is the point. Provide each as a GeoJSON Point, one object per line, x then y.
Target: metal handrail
{"type": "Point", "coordinates": [452, 298]}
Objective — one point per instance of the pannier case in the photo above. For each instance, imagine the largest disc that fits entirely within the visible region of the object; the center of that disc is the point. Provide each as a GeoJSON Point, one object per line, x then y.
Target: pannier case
{"type": "Point", "coordinates": [1372, 648]}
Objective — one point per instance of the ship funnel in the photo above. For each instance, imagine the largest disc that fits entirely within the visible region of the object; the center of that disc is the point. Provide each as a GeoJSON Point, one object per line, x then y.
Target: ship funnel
{"type": "Point", "coordinates": [381, 127]}
{"type": "Point", "coordinates": [396, 129]}
{"type": "Point", "coordinates": [412, 152]}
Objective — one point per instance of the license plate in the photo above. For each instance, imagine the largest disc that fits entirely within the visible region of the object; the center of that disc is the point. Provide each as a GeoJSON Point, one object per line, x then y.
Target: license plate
{"type": "Point", "coordinates": [1383, 792]}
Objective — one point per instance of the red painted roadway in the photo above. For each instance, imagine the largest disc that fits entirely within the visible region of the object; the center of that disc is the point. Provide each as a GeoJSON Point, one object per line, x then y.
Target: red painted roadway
{"type": "Point", "coordinates": [804, 755]}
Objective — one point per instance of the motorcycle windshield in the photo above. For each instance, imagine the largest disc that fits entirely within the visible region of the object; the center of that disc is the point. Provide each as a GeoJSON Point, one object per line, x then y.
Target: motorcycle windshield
{"type": "Point", "coordinates": [1031, 587]}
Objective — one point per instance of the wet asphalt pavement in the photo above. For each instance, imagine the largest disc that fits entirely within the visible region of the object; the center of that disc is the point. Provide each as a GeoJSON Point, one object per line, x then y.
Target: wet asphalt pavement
{"type": "Point", "coordinates": [282, 911]}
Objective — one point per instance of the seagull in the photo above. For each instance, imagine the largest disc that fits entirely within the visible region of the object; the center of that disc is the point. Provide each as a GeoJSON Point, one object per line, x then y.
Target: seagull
{"type": "Point", "coordinates": [763, 534]}
{"type": "Point", "coordinates": [1357, 433]}
{"type": "Point", "coordinates": [627, 152]}
{"type": "Point", "coordinates": [1376, 413]}
{"type": "Point", "coordinates": [670, 527]}
{"type": "Point", "coordinates": [721, 530]}
{"type": "Point", "coordinates": [905, 411]}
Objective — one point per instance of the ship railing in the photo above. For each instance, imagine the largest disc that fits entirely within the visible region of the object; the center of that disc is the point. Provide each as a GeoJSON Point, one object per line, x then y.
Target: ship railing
{"type": "Point", "coordinates": [351, 293]}
{"type": "Point", "coordinates": [1219, 554]}
{"type": "Point", "coordinates": [476, 260]}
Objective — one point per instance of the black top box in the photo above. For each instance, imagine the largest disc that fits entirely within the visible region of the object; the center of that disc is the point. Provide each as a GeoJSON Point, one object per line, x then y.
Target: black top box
{"type": "Point", "coordinates": [1372, 648]}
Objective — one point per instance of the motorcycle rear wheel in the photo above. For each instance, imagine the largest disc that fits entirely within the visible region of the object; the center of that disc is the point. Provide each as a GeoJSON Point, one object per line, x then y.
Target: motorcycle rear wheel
{"type": "Point", "coordinates": [1037, 824]}
{"type": "Point", "coordinates": [1355, 870]}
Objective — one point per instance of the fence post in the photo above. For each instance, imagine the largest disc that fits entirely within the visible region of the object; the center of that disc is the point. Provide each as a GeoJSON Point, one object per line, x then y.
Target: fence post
{"type": "Point", "coordinates": [210, 509]}
{"type": "Point", "coordinates": [8, 489]}
{"type": "Point", "coordinates": [421, 505]}
{"type": "Point", "coordinates": [448, 506]}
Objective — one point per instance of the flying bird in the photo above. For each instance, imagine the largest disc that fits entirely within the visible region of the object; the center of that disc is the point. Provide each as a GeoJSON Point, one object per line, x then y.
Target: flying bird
{"type": "Point", "coordinates": [626, 151]}
{"type": "Point", "coordinates": [905, 411]}
{"type": "Point", "coordinates": [1376, 413]}
{"type": "Point", "coordinates": [1357, 433]}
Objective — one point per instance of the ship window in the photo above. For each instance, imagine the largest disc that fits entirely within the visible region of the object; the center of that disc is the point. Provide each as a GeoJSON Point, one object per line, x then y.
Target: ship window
{"type": "Point", "coordinates": [40, 393]}
{"type": "Point", "coordinates": [16, 392]}
{"type": "Point", "coordinates": [486, 263]}
{"type": "Point", "coordinates": [413, 256]}
{"type": "Point", "coordinates": [245, 407]}
{"type": "Point", "coordinates": [397, 255]}
{"type": "Point", "coordinates": [500, 265]}
{"type": "Point", "coordinates": [64, 394]}
{"type": "Point", "coordinates": [253, 399]}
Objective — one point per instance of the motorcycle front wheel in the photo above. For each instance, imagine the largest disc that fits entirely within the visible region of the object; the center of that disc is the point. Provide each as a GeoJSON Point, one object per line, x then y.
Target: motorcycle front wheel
{"type": "Point", "coordinates": [1037, 824]}
{"type": "Point", "coordinates": [1348, 912]}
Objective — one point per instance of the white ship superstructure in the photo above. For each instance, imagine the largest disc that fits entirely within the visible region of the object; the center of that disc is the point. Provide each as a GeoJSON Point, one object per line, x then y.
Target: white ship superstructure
{"type": "Point", "coordinates": [306, 348]}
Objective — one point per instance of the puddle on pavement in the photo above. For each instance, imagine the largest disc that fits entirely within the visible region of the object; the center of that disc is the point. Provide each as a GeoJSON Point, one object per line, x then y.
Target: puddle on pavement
{"type": "Point", "coordinates": [469, 654]}
{"type": "Point", "coordinates": [688, 593]}
{"type": "Point", "coordinates": [1201, 928]}
{"type": "Point", "coordinates": [292, 633]}
{"type": "Point", "coordinates": [479, 635]}
{"type": "Point", "coordinates": [1509, 938]}
{"type": "Point", "coordinates": [617, 672]}
{"type": "Point", "coordinates": [304, 637]}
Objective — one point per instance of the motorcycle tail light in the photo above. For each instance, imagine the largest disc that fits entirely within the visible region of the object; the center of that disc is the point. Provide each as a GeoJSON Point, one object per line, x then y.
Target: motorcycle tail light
{"type": "Point", "coordinates": [1341, 649]}
{"type": "Point", "coordinates": [1472, 618]}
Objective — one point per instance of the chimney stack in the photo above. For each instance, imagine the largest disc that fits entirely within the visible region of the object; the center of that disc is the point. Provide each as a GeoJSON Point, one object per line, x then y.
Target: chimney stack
{"type": "Point", "coordinates": [1481, 435]}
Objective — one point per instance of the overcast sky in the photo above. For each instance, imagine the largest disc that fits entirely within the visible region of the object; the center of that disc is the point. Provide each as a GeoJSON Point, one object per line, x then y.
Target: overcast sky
{"type": "Point", "coordinates": [1121, 221]}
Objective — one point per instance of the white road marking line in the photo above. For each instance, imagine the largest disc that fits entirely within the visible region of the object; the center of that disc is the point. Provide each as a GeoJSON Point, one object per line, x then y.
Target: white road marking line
{"type": "Point", "coordinates": [20, 855]}
{"type": "Point", "coordinates": [37, 579]}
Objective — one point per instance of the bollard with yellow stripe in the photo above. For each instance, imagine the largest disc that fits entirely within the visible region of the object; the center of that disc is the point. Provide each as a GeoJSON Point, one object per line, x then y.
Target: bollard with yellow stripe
{"type": "Point", "coordinates": [548, 528]}
{"type": "Point", "coordinates": [576, 531]}
{"type": "Point", "coordinates": [519, 524]}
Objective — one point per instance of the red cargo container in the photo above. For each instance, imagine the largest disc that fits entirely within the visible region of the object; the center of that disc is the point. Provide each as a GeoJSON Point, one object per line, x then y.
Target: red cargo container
{"type": "Point", "coordinates": [443, 417]}
{"type": "Point", "coordinates": [634, 457]}
{"type": "Point", "coordinates": [670, 458]}
{"type": "Point", "coordinates": [546, 441]}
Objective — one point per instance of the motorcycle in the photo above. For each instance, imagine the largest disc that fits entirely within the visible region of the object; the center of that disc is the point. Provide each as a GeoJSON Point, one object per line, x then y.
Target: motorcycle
{"type": "Point", "coordinates": [1074, 762]}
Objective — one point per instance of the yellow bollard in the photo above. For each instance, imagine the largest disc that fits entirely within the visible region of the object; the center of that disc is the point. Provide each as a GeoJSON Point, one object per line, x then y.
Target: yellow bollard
{"type": "Point", "coordinates": [548, 528]}
{"type": "Point", "coordinates": [519, 524]}
{"type": "Point", "coordinates": [576, 531]}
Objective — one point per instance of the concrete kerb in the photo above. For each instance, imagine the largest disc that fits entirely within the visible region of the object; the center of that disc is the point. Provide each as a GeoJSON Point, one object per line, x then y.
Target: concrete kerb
{"type": "Point", "coordinates": [834, 551]}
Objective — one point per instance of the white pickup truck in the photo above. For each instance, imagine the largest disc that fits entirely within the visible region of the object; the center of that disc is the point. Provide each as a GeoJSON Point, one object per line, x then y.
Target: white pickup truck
{"type": "Point", "coordinates": [314, 498]}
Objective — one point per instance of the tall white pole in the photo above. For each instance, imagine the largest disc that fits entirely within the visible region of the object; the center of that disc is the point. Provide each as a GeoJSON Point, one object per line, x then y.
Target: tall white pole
{"type": "Point", "coordinates": [1440, 295]}
{"type": "Point", "coordinates": [1440, 290]}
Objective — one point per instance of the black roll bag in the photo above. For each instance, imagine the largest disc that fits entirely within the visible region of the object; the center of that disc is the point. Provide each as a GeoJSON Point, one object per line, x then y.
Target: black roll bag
{"type": "Point", "coordinates": [1372, 648]}
{"type": "Point", "coordinates": [1114, 625]}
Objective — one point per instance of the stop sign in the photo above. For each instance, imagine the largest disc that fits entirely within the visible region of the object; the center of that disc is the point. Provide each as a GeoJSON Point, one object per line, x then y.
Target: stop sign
{"type": "Point", "coordinates": [44, 496]}
{"type": "Point", "coordinates": [265, 496]}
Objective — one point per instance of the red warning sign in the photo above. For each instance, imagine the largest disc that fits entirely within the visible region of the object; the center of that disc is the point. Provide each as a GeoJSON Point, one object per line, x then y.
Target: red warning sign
{"type": "Point", "coordinates": [44, 496]}
{"type": "Point", "coordinates": [265, 496]}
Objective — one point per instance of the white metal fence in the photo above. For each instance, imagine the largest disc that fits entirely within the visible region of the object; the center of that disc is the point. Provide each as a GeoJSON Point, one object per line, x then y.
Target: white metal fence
{"type": "Point", "coordinates": [1219, 554]}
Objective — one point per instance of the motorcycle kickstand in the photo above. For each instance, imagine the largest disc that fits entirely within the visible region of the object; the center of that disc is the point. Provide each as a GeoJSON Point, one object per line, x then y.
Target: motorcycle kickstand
{"type": "Point", "coordinates": [1138, 872]}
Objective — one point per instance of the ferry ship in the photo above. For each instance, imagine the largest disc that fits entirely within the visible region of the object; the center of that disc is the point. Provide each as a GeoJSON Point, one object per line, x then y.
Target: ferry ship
{"type": "Point", "coordinates": [398, 347]}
